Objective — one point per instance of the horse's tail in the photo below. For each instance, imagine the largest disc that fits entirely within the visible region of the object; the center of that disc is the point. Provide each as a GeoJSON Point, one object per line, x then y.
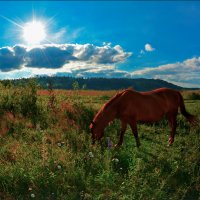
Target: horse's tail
{"type": "Point", "coordinates": [192, 119]}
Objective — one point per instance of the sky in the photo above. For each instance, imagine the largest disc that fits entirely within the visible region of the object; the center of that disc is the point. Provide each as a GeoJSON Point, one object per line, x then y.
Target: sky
{"type": "Point", "coordinates": [123, 39]}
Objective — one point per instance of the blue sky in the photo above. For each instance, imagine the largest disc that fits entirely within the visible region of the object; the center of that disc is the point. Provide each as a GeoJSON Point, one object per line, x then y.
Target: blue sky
{"type": "Point", "coordinates": [103, 39]}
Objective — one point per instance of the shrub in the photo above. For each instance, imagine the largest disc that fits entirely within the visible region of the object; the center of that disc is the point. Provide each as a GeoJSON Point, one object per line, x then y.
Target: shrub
{"type": "Point", "coordinates": [194, 96]}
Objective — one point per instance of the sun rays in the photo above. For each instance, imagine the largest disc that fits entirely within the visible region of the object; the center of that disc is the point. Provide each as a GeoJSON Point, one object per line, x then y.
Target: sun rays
{"type": "Point", "coordinates": [34, 32]}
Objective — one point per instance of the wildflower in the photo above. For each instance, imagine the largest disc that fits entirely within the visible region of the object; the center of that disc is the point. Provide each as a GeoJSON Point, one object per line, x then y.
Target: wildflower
{"type": "Point", "coordinates": [32, 195]}
{"type": "Point", "coordinates": [91, 154]}
{"type": "Point", "coordinates": [109, 142]}
{"type": "Point", "coordinates": [120, 168]}
{"type": "Point", "coordinates": [59, 144]}
{"type": "Point", "coordinates": [30, 189]}
{"type": "Point", "coordinates": [115, 160]}
{"type": "Point", "coordinates": [59, 167]}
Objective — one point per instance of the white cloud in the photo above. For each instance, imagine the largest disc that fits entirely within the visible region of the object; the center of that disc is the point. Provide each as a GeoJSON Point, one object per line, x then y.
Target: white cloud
{"type": "Point", "coordinates": [54, 56]}
{"type": "Point", "coordinates": [186, 73]}
{"type": "Point", "coordinates": [72, 59]}
{"type": "Point", "coordinates": [148, 47]}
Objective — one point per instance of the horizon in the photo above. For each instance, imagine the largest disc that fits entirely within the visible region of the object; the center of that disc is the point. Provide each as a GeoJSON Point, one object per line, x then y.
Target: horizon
{"type": "Point", "coordinates": [76, 79]}
{"type": "Point", "coordinates": [101, 39]}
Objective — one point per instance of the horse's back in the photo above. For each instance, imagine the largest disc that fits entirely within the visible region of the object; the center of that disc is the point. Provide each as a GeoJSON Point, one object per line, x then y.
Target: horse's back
{"type": "Point", "coordinates": [160, 93]}
{"type": "Point", "coordinates": [149, 106]}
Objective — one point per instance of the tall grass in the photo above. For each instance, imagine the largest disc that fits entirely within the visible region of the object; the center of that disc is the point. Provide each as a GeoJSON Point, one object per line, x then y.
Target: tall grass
{"type": "Point", "coordinates": [46, 152]}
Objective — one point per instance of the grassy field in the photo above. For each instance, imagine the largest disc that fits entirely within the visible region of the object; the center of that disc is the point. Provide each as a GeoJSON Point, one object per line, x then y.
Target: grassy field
{"type": "Point", "coordinates": [46, 152]}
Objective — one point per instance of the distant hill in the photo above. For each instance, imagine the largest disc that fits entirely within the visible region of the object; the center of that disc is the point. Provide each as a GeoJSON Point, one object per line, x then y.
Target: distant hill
{"type": "Point", "coordinates": [139, 84]}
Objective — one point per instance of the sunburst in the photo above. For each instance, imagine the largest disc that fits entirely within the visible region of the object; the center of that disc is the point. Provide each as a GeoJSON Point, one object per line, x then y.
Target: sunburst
{"type": "Point", "coordinates": [34, 32]}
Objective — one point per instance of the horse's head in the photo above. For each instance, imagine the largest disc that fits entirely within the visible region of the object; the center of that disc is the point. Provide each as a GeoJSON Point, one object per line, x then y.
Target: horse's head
{"type": "Point", "coordinates": [97, 131]}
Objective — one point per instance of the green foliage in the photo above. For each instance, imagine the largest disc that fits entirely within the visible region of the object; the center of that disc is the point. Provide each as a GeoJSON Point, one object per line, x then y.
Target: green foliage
{"type": "Point", "coordinates": [22, 101]}
{"type": "Point", "coordinates": [139, 84]}
{"type": "Point", "coordinates": [194, 96]}
{"type": "Point", "coordinates": [75, 85]}
{"type": "Point", "coordinates": [81, 114]}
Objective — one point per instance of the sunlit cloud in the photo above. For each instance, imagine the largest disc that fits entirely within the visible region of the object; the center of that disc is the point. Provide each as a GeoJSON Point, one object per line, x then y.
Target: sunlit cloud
{"type": "Point", "coordinates": [186, 73]}
{"type": "Point", "coordinates": [148, 47]}
{"type": "Point", "coordinates": [57, 55]}
{"type": "Point", "coordinates": [75, 59]}
{"type": "Point", "coordinates": [11, 58]}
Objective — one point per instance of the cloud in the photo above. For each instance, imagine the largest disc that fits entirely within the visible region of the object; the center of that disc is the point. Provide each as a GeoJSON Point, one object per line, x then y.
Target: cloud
{"type": "Point", "coordinates": [11, 58]}
{"type": "Point", "coordinates": [148, 47]}
{"type": "Point", "coordinates": [58, 36]}
{"type": "Point", "coordinates": [108, 71]}
{"type": "Point", "coordinates": [48, 56]}
{"type": "Point", "coordinates": [55, 56]}
{"type": "Point", "coordinates": [67, 34]}
{"type": "Point", "coordinates": [111, 73]}
{"type": "Point", "coordinates": [186, 73]}
{"type": "Point", "coordinates": [100, 55]}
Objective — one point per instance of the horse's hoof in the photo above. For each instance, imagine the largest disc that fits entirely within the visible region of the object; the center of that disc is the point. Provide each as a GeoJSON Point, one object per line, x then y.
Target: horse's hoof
{"type": "Point", "coordinates": [170, 141]}
{"type": "Point", "coordinates": [170, 144]}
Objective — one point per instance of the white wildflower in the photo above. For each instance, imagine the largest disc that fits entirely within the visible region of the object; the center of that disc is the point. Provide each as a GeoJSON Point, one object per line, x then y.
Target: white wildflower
{"type": "Point", "coordinates": [59, 167]}
{"type": "Point", "coordinates": [32, 195]}
{"type": "Point", "coordinates": [115, 160]}
{"type": "Point", "coordinates": [59, 144]}
{"type": "Point", "coordinates": [91, 154]}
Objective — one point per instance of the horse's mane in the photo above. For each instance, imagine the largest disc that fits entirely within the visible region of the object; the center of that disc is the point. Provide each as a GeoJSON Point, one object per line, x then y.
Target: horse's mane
{"type": "Point", "coordinates": [107, 104]}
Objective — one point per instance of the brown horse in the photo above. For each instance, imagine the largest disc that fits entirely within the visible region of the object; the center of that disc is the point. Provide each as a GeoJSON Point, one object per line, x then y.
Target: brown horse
{"type": "Point", "coordinates": [131, 107]}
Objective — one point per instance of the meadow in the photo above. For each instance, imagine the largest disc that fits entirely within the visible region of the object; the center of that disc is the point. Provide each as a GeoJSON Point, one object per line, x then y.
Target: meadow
{"type": "Point", "coordinates": [46, 151]}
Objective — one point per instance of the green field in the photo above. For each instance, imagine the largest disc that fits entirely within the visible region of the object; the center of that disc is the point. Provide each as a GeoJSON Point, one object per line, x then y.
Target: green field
{"type": "Point", "coordinates": [46, 152]}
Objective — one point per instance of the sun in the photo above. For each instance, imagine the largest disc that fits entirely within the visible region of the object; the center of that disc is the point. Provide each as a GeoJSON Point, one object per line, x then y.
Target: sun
{"type": "Point", "coordinates": [34, 32]}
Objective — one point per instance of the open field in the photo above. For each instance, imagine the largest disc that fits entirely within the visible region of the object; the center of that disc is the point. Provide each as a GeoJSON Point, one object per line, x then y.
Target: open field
{"type": "Point", "coordinates": [46, 151]}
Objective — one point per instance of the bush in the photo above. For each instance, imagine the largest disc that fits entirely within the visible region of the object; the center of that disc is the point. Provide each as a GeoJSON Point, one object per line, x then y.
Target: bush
{"type": "Point", "coordinates": [81, 115]}
{"type": "Point", "coordinates": [194, 96]}
{"type": "Point", "coordinates": [22, 101]}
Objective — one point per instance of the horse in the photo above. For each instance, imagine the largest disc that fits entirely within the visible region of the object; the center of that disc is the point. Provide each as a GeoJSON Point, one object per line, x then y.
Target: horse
{"type": "Point", "coordinates": [131, 107]}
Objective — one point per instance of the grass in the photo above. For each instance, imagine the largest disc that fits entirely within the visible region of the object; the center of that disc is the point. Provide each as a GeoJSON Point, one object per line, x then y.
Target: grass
{"type": "Point", "coordinates": [48, 154]}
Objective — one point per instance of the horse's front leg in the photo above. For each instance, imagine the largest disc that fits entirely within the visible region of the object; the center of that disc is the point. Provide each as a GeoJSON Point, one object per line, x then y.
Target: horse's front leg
{"type": "Point", "coordinates": [122, 131]}
{"type": "Point", "coordinates": [135, 132]}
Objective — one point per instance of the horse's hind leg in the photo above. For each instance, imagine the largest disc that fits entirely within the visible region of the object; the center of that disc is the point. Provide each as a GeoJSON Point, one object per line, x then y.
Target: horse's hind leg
{"type": "Point", "coordinates": [172, 123]}
{"type": "Point", "coordinates": [135, 132]}
{"type": "Point", "coordinates": [122, 131]}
